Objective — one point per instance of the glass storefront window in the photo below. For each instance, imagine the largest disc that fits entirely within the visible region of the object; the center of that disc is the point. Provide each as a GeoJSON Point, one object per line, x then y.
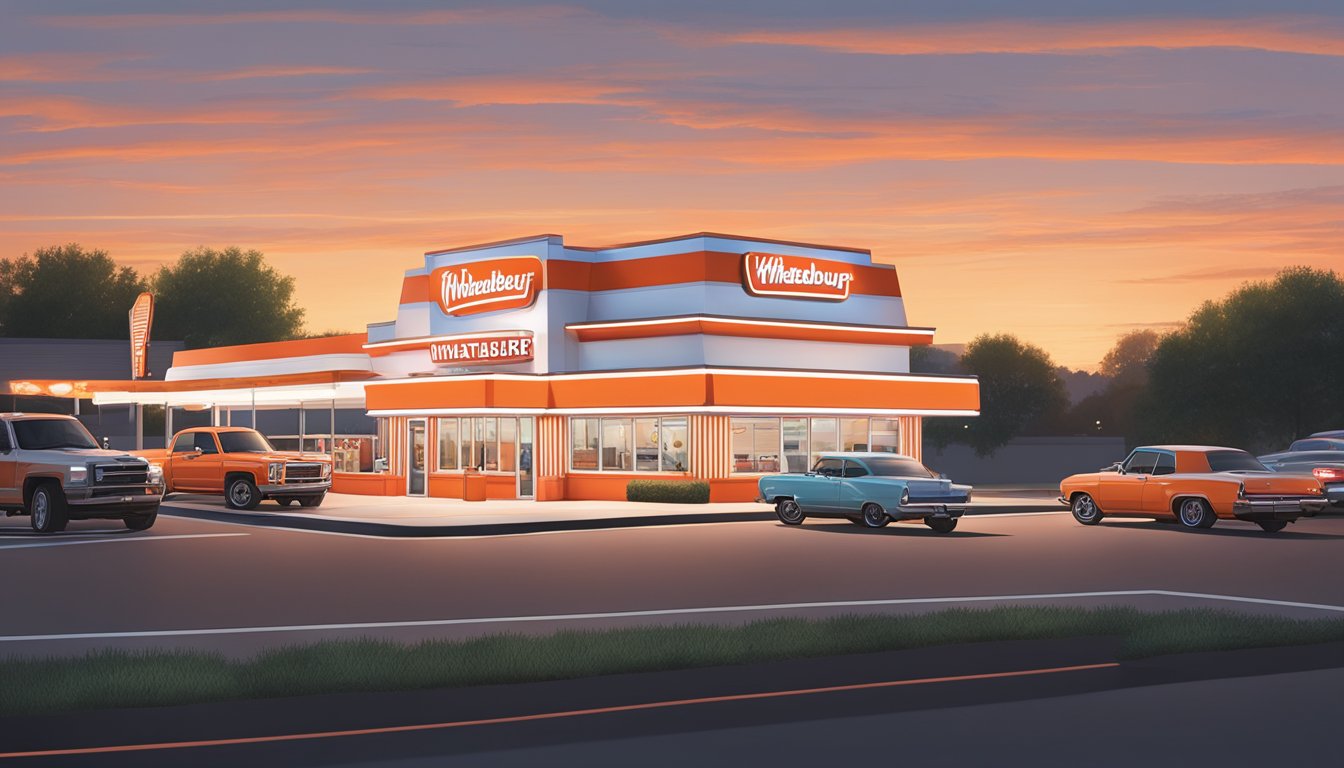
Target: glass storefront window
{"type": "Point", "coordinates": [795, 445]}
{"type": "Point", "coordinates": [489, 453]}
{"type": "Point", "coordinates": [617, 445]}
{"type": "Point", "coordinates": [646, 445]}
{"type": "Point", "coordinates": [584, 440]}
{"type": "Point", "coordinates": [675, 444]}
{"type": "Point", "coordinates": [886, 435]}
{"type": "Point", "coordinates": [755, 444]}
{"type": "Point", "coordinates": [508, 444]}
{"type": "Point", "coordinates": [448, 444]}
{"type": "Point", "coordinates": [853, 434]}
{"type": "Point", "coordinates": [825, 437]}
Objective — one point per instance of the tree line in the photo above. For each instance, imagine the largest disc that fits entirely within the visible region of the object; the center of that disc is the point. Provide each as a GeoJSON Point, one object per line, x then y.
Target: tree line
{"type": "Point", "coordinates": [1256, 369]}
{"type": "Point", "coordinates": [208, 297]}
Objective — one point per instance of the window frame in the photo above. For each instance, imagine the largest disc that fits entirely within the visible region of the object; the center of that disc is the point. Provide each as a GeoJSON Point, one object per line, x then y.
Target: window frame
{"type": "Point", "coordinates": [682, 421]}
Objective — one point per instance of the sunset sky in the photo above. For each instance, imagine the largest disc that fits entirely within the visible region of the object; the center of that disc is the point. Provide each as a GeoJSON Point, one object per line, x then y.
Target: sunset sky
{"type": "Point", "coordinates": [1064, 171]}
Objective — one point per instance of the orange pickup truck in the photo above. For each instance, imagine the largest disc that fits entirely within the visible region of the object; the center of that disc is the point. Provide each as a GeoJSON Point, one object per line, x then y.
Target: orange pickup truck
{"type": "Point", "coordinates": [242, 465]}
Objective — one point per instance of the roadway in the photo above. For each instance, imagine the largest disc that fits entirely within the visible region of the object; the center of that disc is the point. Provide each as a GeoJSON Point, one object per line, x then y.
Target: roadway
{"type": "Point", "coordinates": [188, 574]}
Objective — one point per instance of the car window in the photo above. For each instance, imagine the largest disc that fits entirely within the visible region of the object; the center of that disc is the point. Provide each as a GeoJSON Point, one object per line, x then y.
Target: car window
{"type": "Point", "coordinates": [1234, 461]}
{"type": "Point", "coordinates": [184, 443]}
{"type": "Point", "coordinates": [4, 438]}
{"type": "Point", "coordinates": [206, 442]}
{"type": "Point", "coordinates": [1310, 445]}
{"type": "Point", "coordinates": [1141, 463]}
{"type": "Point", "coordinates": [855, 469]}
{"type": "Point", "coordinates": [52, 434]}
{"type": "Point", "coordinates": [1166, 464]}
{"type": "Point", "coordinates": [829, 467]}
{"type": "Point", "coordinates": [898, 466]}
{"type": "Point", "coordinates": [244, 442]}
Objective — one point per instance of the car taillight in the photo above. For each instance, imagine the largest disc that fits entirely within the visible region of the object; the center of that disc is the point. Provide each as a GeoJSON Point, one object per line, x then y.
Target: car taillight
{"type": "Point", "coordinates": [1329, 474]}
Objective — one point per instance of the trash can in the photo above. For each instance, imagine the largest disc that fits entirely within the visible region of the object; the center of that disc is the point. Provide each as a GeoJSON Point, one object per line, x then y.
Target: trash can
{"type": "Point", "coordinates": [473, 486]}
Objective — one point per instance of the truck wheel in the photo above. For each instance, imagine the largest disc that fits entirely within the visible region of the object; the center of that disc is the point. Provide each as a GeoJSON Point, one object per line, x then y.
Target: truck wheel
{"type": "Point", "coordinates": [242, 493]}
{"type": "Point", "coordinates": [312, 501]}
{"type": "Point", "coordinates": [140, 522]}
{"type": "Point", "coordinates": [1272, 526]}
{"type": "Point", "coordinates": [874, 516]}
{"type": "Point", "coordinates": [1085, 510]}
{"type": "Point", "coordinates": [789, 512]}
{"type": "Point", "coordinates": [46, 510]}
{"type": "Point", "coordinates": [1196, 513]}
{"type": "Point", "coordinates": [941, 524]}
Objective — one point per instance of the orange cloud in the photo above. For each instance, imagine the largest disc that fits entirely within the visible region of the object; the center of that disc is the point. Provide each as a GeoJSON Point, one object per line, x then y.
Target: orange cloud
{"type": "Point", "coordinates": [1321, 36]}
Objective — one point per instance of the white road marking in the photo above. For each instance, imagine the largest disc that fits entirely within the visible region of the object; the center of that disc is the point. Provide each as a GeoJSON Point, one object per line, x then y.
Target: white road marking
{"type": "Point", "coordinates": [664, 612]}
{"type": "Point", "coordinates": [122, 538]}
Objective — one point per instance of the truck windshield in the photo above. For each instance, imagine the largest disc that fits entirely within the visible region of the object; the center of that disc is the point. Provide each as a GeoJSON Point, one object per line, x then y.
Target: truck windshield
{"type": "Point", "coordinates": [1234, 461]}
{"type": "Point", "coordinates": [897, 467]}
{"type": "Point", "coordinates": [47, 434]}
{"type": "Point", "coordinates": [244, 442]}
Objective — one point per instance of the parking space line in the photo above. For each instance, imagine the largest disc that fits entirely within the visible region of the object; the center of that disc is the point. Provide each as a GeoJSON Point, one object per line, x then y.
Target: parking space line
{"type": "Point", "coordinates": [664, 612]}
{"type": "Point", "coordinates": [563, 714]}
{"type": "Point", "coordinates": [122, 538]}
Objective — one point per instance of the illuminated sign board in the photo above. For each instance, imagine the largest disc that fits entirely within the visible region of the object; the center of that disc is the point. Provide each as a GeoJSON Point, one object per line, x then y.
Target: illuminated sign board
{"type": "Point", "coordinates": [487, 286]}
{"type": "Point", "coordinates": [478, 350]}
{"type": "Point", "coordinates": [142, 317]}
{"type": "Point", "coordinates": [796, 277]}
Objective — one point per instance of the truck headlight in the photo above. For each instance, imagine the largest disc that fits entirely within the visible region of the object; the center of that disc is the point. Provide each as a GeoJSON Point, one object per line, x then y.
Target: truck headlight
{"type": "Point", "coordinates": [326, 470]}
{"type": "Point", "coordinates": [274, 470]}
{"type": "Point", "coordinates": [79, 475]}
{"type": "Point", "coordinates": [1241, 491]}
{"type": "Point", "coordinates": [155, 475]}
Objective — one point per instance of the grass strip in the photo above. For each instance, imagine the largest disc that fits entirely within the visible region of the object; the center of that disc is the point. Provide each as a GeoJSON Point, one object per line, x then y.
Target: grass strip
{"type": "Point", "coordinates": [113, 678]}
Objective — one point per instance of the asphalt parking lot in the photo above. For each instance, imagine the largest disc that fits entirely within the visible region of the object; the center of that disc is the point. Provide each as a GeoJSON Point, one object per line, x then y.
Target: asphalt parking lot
{"type": "Point", "coordinates": [238, 588]}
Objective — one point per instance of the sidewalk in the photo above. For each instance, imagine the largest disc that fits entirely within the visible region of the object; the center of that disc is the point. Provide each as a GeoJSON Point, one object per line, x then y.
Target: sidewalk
{"type": "Point", "coordinates": [401, 516]}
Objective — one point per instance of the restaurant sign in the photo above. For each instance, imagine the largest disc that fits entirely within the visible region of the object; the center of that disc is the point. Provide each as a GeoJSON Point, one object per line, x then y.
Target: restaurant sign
{"type": "Point", "coordinates": [796, 277]}
{"type": "Point", "coordinates": [487, 286]}
{"type": "Point", "coordinates": [481, 349]}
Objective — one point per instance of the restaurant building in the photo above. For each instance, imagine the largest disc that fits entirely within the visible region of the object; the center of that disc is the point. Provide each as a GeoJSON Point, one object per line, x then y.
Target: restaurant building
{"type": "Point", "coordinates": [563, 372]}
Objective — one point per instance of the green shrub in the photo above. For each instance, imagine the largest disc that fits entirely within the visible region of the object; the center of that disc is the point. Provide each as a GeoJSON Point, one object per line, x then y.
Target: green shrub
{"type": "Point", "coordinates": [667, 491]}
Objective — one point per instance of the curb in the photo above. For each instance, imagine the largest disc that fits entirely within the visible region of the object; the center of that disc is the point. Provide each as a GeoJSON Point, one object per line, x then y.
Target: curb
{"type": "Point", "coordinates": [392, 531]}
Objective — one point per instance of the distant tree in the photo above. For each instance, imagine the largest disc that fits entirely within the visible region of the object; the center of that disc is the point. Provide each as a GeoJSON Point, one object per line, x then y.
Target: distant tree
{"type": "Point", "coordinates": [1255, 370]}
{"type": "Point", "coordinates": [219, 297]}
{"type": "Point", "coordinates": [1127, 362]}
{"type": "Point", "coordinates": [66, 292]}
{"type": "Point", "coordinates": [1124, 369]}
{"type": "Point", "coordinates": [1019, 389]}
{"type": "Point", "coordinates": [927, 359]}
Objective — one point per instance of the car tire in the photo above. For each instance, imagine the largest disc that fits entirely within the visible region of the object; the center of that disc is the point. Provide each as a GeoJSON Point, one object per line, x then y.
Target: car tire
{"type": "Point", "coordinates": [874, 516]}
{"type": "Point", "coordinates": [140, 522]}
{"type": "Point", "coordinates": [46, 509]}
{"type": "Point", "coordinates": [1272, 526]}
{"type": "Point", "coordinates": [789, 512]}
{"type": "Point", "coordinates": [1085, 509]}
{"type": "Point", "coordinates": [1195, 513]}
{"type": "Point", "coordinates": [312, 501]}
{"type": "Point", "coordinates": [241, 493]}
{"type": "Point", "coordinates": [941, 524]}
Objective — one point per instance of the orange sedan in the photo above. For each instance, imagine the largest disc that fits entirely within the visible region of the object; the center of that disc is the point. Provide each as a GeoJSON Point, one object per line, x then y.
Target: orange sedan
{"type": "Point", "coordinates": [1193, 485]}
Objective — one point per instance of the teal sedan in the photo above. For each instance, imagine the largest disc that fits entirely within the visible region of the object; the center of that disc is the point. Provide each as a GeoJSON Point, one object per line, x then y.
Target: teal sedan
{"type": "Point", "coordinates": [870, 489]}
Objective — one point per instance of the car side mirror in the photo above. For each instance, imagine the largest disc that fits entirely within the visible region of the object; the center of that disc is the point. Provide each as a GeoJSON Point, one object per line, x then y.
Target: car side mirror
{"type": "Point", "coordinates": [107, 442]}
{"type": "Point", "coordinates": [1116, 467]}
{"type": "Point", "coordinates": [942, 475]}
{"type": "Point", "coordinates": [198, 450]}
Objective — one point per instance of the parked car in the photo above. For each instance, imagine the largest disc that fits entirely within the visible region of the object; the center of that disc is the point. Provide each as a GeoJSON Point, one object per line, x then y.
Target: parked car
{"type": "Point", "coordinates": [243, 466]}
{"type": "Point", "coordinates": [870, 489]}
{"type": "Point", "coordinates": [1194, 485]}
{"type": "Point", "coordinates": [1321, 455]}
{"type": "Point", "coordinates": [52, 470]}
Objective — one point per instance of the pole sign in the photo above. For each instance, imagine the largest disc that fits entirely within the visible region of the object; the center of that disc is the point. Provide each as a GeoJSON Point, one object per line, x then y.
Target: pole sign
{"type": "Point", "coordinates": [477, 350]}
{"type": "Point", "coordinates": [796, 277]}
{"type": "Point", "coordinates": [142, 317]}
{"type": "Point", "coordinates": [487, 286]}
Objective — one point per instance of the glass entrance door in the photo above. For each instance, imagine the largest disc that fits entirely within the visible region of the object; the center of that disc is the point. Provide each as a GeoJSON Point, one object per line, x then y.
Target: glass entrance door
{"type": "Point", "coordinates": [415, 458]}
{"type": "Point", "coordinates": [525, 458]}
